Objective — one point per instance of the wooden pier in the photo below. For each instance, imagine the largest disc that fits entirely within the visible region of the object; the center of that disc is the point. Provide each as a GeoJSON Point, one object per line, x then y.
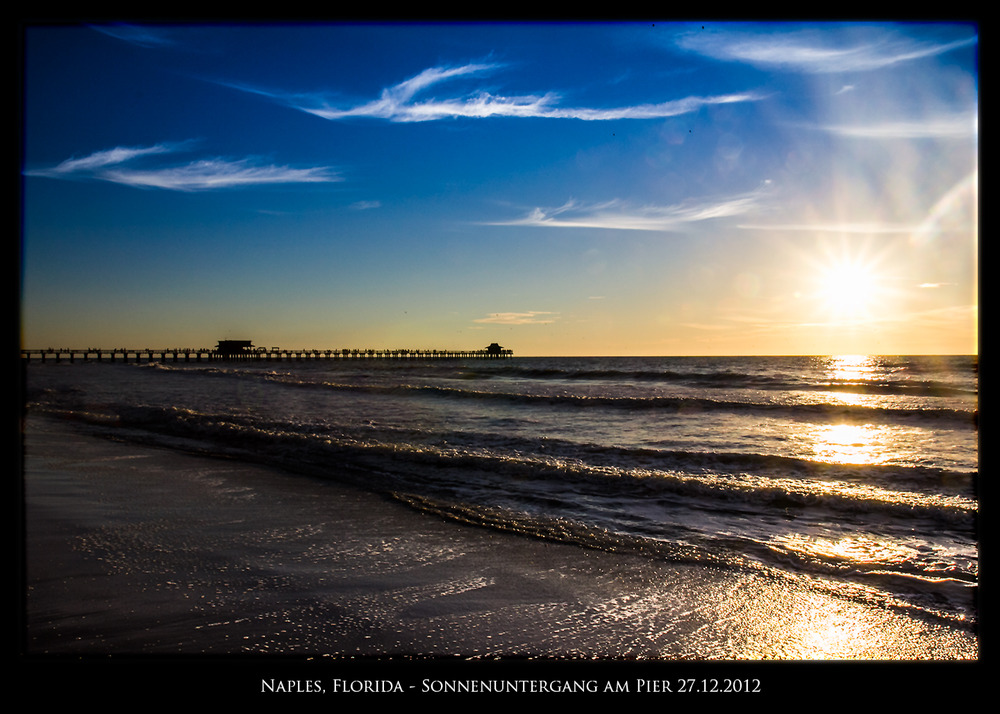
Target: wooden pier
{"type": "Point", "coordinates": [245, 353]}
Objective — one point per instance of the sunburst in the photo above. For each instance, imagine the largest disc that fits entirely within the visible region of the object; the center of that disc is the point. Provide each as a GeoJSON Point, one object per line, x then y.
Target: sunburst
{"type": "Point", "coordinates": [851, 286]}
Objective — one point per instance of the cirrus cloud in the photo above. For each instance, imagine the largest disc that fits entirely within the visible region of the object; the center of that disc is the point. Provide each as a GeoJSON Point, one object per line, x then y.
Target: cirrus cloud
{"type": "Point", "coordinates": [951, 126]}
{"type": "Point", "coordinates": [400, 103]}
{"type": "Point", "coordinates": [824, 50]}
{"type": "Point", "coordinates": [118, 165]}
{"type": "Point", "coordinates": [518, 318]}
{"type": "Point", "coordinates": [619, 215]}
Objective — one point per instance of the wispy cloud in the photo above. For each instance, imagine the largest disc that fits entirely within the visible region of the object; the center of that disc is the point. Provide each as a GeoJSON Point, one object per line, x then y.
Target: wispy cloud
{"type": "Point", "coordinates": [618, 215]}
{"type": "Point", "coordinates": [400, 103]}
{"type": "Point", "coordinates": [143, 36]}
{"type": "Point", "coordinates": [934, 321]}
{"type": "Point", "coordinates": [109, 157]}
{"type": "Point", "coordinates": [519, 318]}
{"type": "Point", "coordinates": [954, 207]}
{"type": "Point", "coordinates": [216, 173]}
{"type": "Point", "coordinates": [876, 228]}
{"type": "Point", "coordinates": [118, 165]}
{"type": "Point", "coordinates": [825, 50]}
{"type": "Point", "coordinates": [955, 126]}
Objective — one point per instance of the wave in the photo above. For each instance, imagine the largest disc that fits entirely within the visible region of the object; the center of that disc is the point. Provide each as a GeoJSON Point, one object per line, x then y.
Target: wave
{"type": "Point", "coordinates": [671, 504]}
{"type": "Point", "coordinates": [754, 482]}
{"type": "Point", "coordinates": [569, 466]}
{"type": "Point", "coordinates": [771, 380]}
{"type": "Point", "coordinates": [822, 411]}
{"type": "Point", "coordinates": [732, 380]}
{"type": "Point", "coordinates": [911, 587]}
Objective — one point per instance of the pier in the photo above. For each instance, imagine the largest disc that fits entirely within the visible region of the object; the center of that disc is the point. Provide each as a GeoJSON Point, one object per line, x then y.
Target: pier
{"type": "Point", "coordinates": [231, 350]}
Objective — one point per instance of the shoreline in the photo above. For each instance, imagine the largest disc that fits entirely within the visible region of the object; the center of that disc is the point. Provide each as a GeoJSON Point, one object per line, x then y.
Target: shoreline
{"type": "Point", "coordinates": [134, 552]}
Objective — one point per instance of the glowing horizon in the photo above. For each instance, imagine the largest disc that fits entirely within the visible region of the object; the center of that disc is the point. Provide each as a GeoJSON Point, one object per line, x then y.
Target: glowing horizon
{"type": "Point", "coordinates": [560, 188]}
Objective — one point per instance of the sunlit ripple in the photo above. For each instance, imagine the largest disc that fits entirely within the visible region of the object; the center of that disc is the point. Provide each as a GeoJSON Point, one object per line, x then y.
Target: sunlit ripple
{"type": "Point", "coordinates": [856, 549]}
{"type": "Point", "coordinates": [853, 370]}
{"type": "Point", "coordinates": [851, 366]}
{"type": "Point", "coordinates": [851, 443]}
{"type": "Point", "coordinates": [829, 633]}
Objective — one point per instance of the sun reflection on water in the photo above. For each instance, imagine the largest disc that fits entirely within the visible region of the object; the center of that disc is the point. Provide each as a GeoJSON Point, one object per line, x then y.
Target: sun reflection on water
{"type": "Point", "coordinates": [849, 376]}
{"type": "Point", "coordinates": [858, 549]}
{"type": "Point", "coordinates": [848, 443]}
{"type": "Point", "coordinates": [851, 367]}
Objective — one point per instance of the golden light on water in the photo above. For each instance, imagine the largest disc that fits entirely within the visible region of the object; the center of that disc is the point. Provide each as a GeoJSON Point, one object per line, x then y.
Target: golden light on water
{"type": "Point", "coordinates": [857, 549]}
{"type": "Point", "coordinates": [851, 371]}
{"type": "Point", "coordinates": [850, 367]}
{"type": "Point", "coordinates": [803, 624]}
{"type": "Point", "coordinates": [848, 443]}
{"type": "Point", "coordinates": [828, 634]}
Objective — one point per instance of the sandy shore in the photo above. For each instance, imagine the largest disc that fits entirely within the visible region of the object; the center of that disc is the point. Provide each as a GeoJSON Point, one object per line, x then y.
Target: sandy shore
{"type": "Point", "coordinates": [134, 552]}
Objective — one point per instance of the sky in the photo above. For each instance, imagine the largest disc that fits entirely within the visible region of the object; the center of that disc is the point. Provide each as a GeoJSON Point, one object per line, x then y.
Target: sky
{"type": "Point", "coordinates": [587, 188]}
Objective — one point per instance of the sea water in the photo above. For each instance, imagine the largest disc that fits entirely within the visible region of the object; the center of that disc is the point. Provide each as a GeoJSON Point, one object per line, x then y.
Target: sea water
{"type": "Point", "coordinates": [856, 476]}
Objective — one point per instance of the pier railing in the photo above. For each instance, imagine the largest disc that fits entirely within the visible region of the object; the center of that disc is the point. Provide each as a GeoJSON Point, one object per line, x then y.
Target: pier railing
{"type": "Point", "coordinates": [259, 353]}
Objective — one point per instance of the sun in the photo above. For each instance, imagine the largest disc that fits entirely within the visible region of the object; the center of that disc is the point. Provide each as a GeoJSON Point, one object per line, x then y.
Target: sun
{"type": "Point", "coordinates": [850, 285]}
{"type": "Point", "coordinates": [849, 289]}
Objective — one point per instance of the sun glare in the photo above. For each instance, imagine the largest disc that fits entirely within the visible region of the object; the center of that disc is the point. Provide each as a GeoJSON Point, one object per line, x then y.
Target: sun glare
{"type": "Point", "coordinates": [849, 290]}
{"type": "Point", "coordinates": [850, 283]}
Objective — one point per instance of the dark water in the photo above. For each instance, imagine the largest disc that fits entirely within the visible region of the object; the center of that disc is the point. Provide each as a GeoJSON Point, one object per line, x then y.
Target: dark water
{"type": "Point", "coordinates": [856, 475]}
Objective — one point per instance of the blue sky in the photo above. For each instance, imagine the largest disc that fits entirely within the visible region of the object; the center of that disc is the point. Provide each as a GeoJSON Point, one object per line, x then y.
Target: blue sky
{"type": "Point", "coordinates": [643, 188]}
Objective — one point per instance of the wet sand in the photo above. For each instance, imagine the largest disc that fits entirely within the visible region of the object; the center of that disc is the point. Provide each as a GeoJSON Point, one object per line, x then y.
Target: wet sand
{"type": "Point", "coordinates": [134, 553]}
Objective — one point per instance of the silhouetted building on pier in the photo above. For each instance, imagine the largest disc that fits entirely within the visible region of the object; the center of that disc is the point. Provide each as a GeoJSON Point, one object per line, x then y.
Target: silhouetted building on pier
{"type": "Point", "coordinates": [234, 348]}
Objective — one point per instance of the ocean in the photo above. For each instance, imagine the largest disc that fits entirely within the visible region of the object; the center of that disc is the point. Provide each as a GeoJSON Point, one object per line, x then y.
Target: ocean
{"type": "Point", "coordinates": [851, 476]}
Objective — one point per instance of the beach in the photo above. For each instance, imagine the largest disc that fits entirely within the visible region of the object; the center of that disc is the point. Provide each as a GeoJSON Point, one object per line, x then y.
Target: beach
{"type": "Point", "coordinates": [132, 550]}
